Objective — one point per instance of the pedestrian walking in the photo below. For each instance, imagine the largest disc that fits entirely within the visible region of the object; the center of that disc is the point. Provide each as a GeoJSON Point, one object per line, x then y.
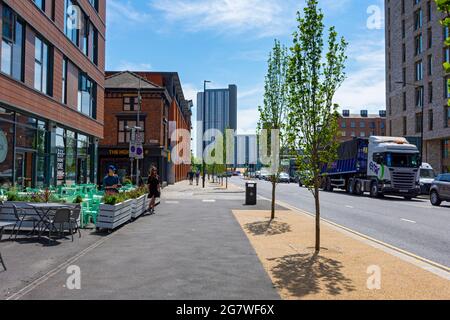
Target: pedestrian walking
{"type": "Point", "coordinates": [191, 177]}
{"type": "Point", "coordinates": [154, 189]}
{"type": "Point", "coordinates": [197, 176]}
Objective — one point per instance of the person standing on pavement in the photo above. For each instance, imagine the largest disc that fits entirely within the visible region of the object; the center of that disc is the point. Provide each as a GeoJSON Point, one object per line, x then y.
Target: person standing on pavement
{"type": "Point", "coordinates": [154, 189]}
{"type": "Point", "coordinates": [111, 182]}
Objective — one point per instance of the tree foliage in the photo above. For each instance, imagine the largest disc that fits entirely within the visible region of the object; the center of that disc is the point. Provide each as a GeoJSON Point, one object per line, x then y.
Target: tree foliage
{"type": "Point", "coordinates": [444, 6]}
{"type": "Point", "coordinates": [314, 75]}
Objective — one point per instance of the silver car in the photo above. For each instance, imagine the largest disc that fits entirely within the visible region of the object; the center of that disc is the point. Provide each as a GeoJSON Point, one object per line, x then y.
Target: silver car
{"type": "Point", "coordinates": [440, 189]}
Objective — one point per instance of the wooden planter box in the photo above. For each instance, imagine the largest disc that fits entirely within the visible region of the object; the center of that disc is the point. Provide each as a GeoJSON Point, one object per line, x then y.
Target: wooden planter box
{"type": "Point", "coordinates": [139, 206]}
{"type": "Point", "coordinates": [110, 217]}
{"type": "Point", "coordinates": [7, 212]}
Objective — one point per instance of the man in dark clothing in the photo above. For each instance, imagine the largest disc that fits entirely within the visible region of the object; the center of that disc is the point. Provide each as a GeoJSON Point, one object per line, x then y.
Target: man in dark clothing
{"type": "Point", "coordinates": [191, 177]}
{"type": "Point", "coordinates": [111, 182]}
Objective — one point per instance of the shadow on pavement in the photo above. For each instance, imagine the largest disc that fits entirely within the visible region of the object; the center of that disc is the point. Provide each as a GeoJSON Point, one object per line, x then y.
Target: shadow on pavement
{"type": "Point", "coordinates": [304, 274]}
{"type": "Point", "coordinates": [268, 228]}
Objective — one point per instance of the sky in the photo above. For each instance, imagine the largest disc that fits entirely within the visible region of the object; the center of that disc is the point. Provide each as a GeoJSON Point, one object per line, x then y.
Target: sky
{"type": "Point", "coordinates": [228, 42]}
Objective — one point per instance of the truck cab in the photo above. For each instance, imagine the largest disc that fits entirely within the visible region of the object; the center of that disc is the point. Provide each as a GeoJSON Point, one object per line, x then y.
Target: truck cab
{"type": "Point", "coordinates": [393, 167]}
{"type": "Point", "coordinates": [427, 176]}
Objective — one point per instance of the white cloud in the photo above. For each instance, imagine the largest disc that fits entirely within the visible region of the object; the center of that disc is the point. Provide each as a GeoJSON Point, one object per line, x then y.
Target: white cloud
{"type": "Point", "coordinates": [132, 66]}
{"type": "Point", "coordinates": [365, 85]}
{"type": "Point", "coordinates": [123, 12]}
{"type": "Point", "coordinates": [263, 17]}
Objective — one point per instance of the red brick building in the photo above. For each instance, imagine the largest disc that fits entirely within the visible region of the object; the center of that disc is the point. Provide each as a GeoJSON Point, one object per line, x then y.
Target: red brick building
{"type": "Point", "coordinates": [52, 60]}
{"type": "Point", "coordinates": [162, 103]}
{"type": "Point", "coordinates": [361, 125]}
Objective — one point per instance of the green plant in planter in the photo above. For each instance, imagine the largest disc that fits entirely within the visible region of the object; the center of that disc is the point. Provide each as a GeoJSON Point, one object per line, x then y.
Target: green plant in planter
{"type": "Point", "coordinates": [12, 196]}
{"type": "Point", "coordinates": [78, 199]}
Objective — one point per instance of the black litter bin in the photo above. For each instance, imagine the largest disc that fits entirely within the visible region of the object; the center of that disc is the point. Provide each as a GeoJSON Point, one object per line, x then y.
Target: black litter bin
{"type": "Point", "coordinates": [250, 193]}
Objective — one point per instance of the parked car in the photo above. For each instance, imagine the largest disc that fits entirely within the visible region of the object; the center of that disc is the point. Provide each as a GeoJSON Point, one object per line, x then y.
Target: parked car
{"type": "Point", "coordinates": [440, 189]}
{"type": "Point", "coordinates": [284, 178]}
{"type": "Point", "coordinates": [427, 175]}
{"type": "Point", "coordinates": [257, 174]}
{"type": "Point", "coordinates": [265, 176]}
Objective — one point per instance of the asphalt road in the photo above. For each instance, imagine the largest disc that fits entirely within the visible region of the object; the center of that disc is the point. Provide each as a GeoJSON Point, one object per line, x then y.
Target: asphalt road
{"type": "Point", "coordinates": [414, 226]}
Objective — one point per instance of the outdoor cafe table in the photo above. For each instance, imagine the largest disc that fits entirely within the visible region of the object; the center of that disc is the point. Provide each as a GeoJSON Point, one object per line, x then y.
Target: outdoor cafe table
{"type": "Point", "coordinates": [3, 225]}
{"type": "Point", "coordinates": [43, 210]}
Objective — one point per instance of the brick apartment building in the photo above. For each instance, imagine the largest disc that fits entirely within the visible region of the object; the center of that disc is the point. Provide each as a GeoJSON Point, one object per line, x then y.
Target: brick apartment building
{"type": "Point", "coordinates": [162, 104]}
{"type": "Point", "coordinates": [361, 125]}
{"type": "Point", "coordinates": [416, 86]}
{"type": "Point", "coordinates": [52, 59]}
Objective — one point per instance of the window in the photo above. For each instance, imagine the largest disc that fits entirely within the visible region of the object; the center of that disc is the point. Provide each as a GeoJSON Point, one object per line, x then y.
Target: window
{"type": "Point", "coordinates": [87, 96]}
{"type": "Point", "coordinates": [418, 44]}
{"type": "Point", "coordinates": [446, 54]}
{"type": "Point", "coordinates": [418, 19]}
{"type": "Point", "coordinates": [430, 92]}
{"type": "Point", "coordinates": [404, 77]}
{"type": "Point", "coordinates": [130, 103]}
{"type": "Point", "coordinates": [430, 120]}
{"type": "Point", "coordinates": [71, 21]}
{"type": "Point", "coordinates": [446, 33]}
{"type": "Point", "coordinates": [430, 38]}
{"type": "Point", "coordinates": [343, 133]}
{"type": "Point", "coordinates": [404, 101]}
{"type": "Point", "coordinates": [405, 126]}
{"type": "Point", "coordinates": [64, 81]}
{"type": "Point", "coordinates": [446, 116]}
{"type": "Point", "coordinates": [94, 3]}
{"type": "Point", "coordinates": [40, 4]}
{"type": "Point", "coordinates": [362, 124]}
{"type": "Point", "coordinates": [419, 97]}
{"type": "Point", "coordinates": [372, 125]}
{"type": "Point", "coordinates": [343, 124]}
{"type": "Point", "coordinates": [13, 43]}
{"type": "Point", "coordinates": [42, 66]}
{"type": "Point", "coordinates": [353, 124]}
{"type": "Point", "coordinates": [430, 65]}
{"type": "Point", "coordinates": [93, 41]}
{"type": "Point", "coordinates": [362, 134]}
{"type": "Point", "coordinates": [419, 71]}
{"type": "Point", "coordinates": [418, 122]}
{"type": "Point", "coordinates": [403, 29]}
{"type": "Point", "coordinates": [446, 87]}
{"type": "Point", "coordinates": [84, 35]}
{"type": "Point", "coordinates": [403, 52]}
{"type": "Point", "coordinates": [124, 132]}
{"type": "Point", "coordinates": [429, 10]}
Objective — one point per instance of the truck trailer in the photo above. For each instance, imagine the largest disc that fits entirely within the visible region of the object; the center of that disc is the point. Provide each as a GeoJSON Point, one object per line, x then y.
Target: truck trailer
{"type": "Point", "coordinates": [377, 165]}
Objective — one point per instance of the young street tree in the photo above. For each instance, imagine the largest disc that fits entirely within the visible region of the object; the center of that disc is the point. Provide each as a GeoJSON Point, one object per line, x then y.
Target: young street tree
{"type": "Point", "coordinates": [272, 115]}
{"type": "Point", "coordinates": [444, 6]}
{"type": "Point", "coordinates": [313, 78]}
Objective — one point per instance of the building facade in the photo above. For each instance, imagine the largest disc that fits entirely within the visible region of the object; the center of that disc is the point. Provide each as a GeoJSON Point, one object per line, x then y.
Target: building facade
{"type": "Point", "coordinates": [361, 125]}
{"type": "Point", "coordinates": [220, 113]}
{"type": "Point", "coordinates": [416, 84]}
{"type": "Point", "coordinates": [51, 91]}
{"type": "Point", "coordinates": [163, 110]}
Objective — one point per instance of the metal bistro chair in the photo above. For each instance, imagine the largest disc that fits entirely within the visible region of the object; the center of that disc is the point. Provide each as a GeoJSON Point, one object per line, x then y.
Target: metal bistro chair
{"type": "Point", "coordinates": [75, 215]}
{"type": "Point", "coordinates": [21, 216]}
{"type": "Point", "coordinates": [61, 218]}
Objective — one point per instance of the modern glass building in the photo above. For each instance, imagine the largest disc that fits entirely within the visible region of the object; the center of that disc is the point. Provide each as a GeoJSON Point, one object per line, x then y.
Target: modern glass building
{"type": "Point", "coordinates": [220, 112]}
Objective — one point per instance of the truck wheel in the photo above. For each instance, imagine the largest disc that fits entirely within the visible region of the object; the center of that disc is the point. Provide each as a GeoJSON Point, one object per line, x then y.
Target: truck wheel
{"type": "Point", "coordinates": [434, 199]}
{"type": "Point", "coordinates": [374, 190]}
{"type": "Point", "coordinates": [358, 188]}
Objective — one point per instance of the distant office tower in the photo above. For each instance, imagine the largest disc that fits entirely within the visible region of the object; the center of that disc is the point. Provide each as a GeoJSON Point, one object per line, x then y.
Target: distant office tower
{"type": "Point", "coordinates": [246, 151]}
{"type": "Point", "coordinates": [220, 113]}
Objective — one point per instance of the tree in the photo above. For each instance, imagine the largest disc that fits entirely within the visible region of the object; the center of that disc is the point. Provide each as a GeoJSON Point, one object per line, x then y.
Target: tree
{"type": "Point", "coordinates": [272, 115]}
{"type": "Point", "coordinates": [444, 6]}
{"type": "Point", "coordinates": [313, 78]}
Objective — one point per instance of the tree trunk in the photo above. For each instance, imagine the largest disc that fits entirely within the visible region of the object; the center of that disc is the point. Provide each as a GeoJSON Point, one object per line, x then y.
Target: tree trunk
{"type": "Point", "coordinates": [317, 204]}
{"type": "Point", "coordinates": [274, 185]}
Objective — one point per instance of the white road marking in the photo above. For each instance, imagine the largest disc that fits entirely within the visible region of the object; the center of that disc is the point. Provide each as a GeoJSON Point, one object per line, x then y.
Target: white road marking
{"type": "Point", "coordinates": [350, 207]}
{"type": "Point", "coordinates": [172, 202]}
{"type": "Point", "coordinates": [209, 200]}
{"type": "Point", "coordinates": [406, 220]}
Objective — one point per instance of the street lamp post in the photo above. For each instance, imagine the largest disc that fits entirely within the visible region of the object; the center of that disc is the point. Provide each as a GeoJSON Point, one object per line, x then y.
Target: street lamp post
{"type": "Point", "coordinates": [203, 131]}
{"type": "Point", "coordinates": [422, 117]}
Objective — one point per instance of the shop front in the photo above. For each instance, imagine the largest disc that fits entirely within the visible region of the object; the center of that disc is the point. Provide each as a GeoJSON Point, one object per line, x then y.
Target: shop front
{"type": "Point", "coordinates": [119, 157]}
{"type": "Point", "coordinates": [36, 153]}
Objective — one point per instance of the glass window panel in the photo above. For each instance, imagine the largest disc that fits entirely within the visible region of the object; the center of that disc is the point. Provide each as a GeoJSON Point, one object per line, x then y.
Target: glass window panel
{"type": "Point", "coordinates": [121, 137]}
{"type": "Point", "coordinates": [6, 56]}
{"type": "Point", "coordinates": [6, 149]}
{"type": "Point", "coordinates": [17, 52]}
{"type": "Point", "coordinates": [37, 76]}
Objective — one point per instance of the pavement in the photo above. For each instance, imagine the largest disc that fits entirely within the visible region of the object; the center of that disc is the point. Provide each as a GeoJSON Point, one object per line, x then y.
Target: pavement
{"type": "Point", "coordinates": [414, 226]}
{"type": "Point", "coordinates": [346, 268]}
{"type": "Point", "coordinates": [192, 248]}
